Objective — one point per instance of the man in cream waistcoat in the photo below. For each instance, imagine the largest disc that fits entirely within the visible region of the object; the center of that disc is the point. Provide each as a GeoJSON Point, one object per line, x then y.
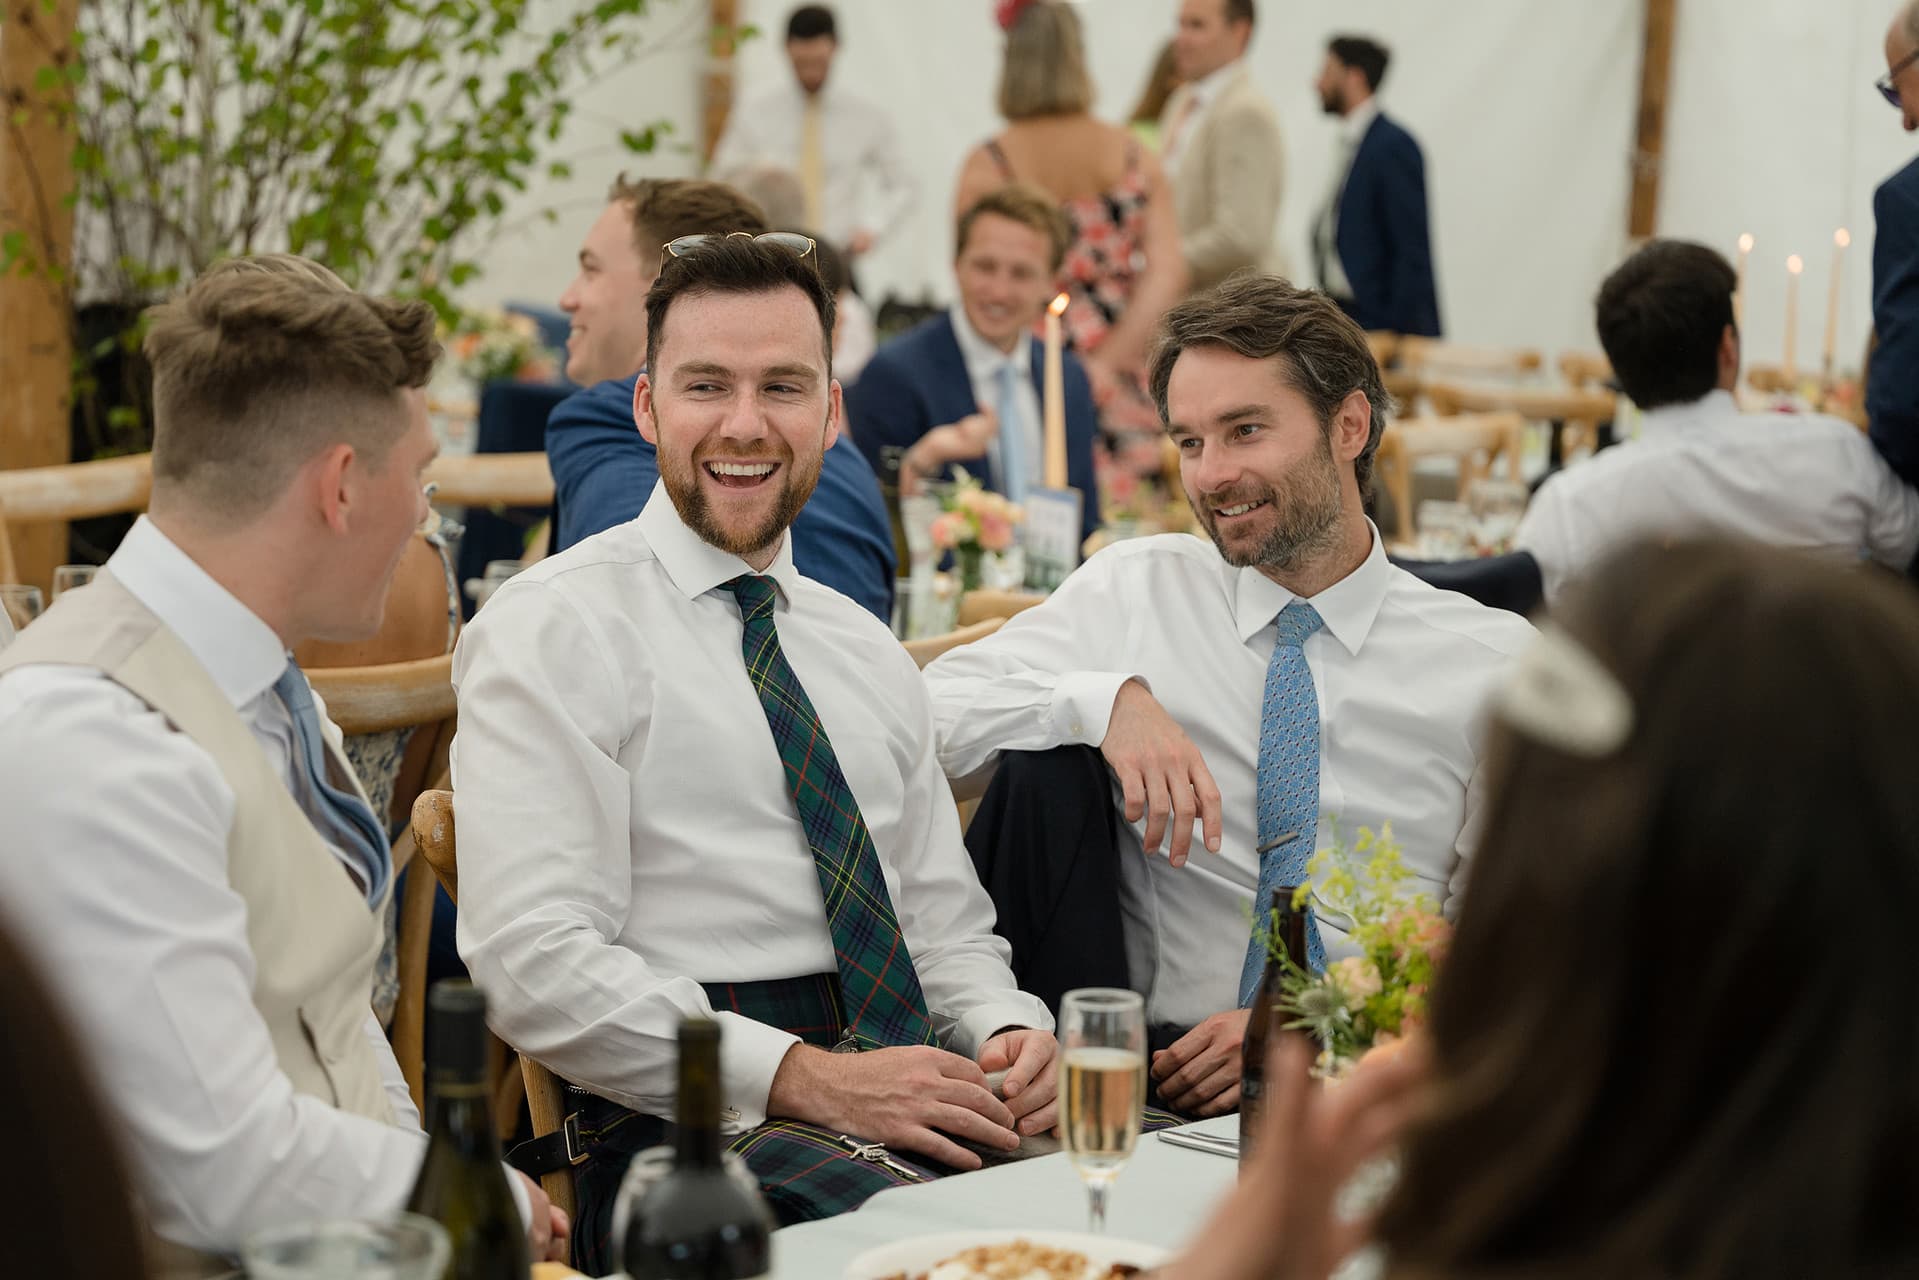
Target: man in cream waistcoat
{"type": "Point", "coordinates": [186, 847]}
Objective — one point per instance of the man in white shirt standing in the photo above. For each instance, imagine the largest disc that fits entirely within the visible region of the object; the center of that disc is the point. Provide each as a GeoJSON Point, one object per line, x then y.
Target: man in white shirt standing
{"type": "Point", "coordinates": [692, 782]}
{"type": "Point", "coordinates": [1700, 467]}
{"type": "Point", "coordinates": [187, 847]}
{"type": "Point", "coordinates": [1263, 686]}
{"type": "Point", "coordinates": [1219, 139]}
{"type": "Point", "coordinates": [842, 147]}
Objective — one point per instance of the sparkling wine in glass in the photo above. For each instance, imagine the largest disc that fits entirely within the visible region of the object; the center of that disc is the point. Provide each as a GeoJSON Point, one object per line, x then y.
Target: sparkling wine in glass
{"type": "Point", "coordinates": [69, 576]}
{"type": "Point", "coordinates": [1102, 1087]}
{"type": "Point", "coordinates": [21, 604]}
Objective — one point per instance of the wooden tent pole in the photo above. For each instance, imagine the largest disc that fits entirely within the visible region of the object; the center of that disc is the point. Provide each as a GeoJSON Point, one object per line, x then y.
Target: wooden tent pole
{"type": "Point", "coordinates": [36, 182]}
{"type": "Point", "coordinates": [719, 76]}
{"type": "Point", "coordinates": [1655, 78]}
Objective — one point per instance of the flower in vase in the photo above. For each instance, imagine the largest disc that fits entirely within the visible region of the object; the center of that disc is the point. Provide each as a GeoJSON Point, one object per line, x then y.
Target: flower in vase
{"type": "Point", "coordinates": [949, 529]}
{"type": "Point", "coordinates": [995, 531]}
{"type": "Point", "coordinates": [1356, 978]}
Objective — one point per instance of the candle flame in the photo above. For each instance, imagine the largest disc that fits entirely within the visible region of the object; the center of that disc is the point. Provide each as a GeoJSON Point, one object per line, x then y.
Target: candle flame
{"type": "Point", "coordinates": [1794, 264]}
{"type": "Point", "coordinates": [1058, 306]}
{"type": "Point", "coordinates": [1746, 242]}
{"type": "Point", "coordinates": [1842, 237]}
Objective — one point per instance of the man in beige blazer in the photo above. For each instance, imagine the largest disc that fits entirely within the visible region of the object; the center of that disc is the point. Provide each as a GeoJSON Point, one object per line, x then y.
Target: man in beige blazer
{"type": "Point", "coordinates": [1220, 142]}
{"type": "Point", "coordinates": [186, 847]}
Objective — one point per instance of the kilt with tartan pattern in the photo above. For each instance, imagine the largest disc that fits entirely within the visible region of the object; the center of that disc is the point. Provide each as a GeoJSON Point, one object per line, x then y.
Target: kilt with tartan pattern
{"type": "Point", "coordinates": [805, 1172]}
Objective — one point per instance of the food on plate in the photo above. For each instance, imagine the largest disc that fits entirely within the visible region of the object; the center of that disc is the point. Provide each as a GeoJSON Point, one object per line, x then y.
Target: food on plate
{"type": "Point", "coordinates": [1021, 1260]}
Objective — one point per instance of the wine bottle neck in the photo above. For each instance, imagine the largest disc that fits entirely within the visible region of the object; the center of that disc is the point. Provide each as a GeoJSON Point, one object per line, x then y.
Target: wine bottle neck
{"type": "Point", "coordinates": [697, 1137]}
{"type": "Point", "coordinates": [462, 1113]}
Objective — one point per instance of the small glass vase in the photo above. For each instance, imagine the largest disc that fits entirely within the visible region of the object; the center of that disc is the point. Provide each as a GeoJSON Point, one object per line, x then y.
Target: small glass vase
{"type": "Point", "coordinates": [970, 558]}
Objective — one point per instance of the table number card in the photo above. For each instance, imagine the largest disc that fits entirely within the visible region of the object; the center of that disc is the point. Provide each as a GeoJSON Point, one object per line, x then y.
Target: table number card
{"type": "Point", "coordinates": [1051, 536]}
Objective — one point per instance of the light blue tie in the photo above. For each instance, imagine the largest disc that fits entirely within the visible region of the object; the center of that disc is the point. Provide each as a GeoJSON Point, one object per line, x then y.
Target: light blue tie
{"type": "Point", "coordinates": [1288, 787]}
{"type": "Point", "coordinates": [1012, 436]}
{"type": "Point", "coordinates": [347, 822]}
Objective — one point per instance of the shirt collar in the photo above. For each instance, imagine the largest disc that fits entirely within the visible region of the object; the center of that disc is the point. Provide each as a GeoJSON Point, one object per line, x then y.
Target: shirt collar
{"type": "Point", "coordinates": [1712, 406]}
{"type": "Point", "coordinates": [1208, 87]}
{"type": "Point", "coordinates": [1348, 607]}
{"type": "Point", "coordinates": [695, 565]}
{"type": "Point", "coordinates": [983, 359]}
{"type": "Point", "coordinates": [1353, 126]}
{"type": "Point", "coordinates": [240, 652]}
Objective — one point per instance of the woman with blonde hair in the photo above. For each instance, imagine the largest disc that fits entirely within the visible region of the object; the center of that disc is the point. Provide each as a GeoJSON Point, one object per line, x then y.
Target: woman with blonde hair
{"type": "Point", "coordinates": [1123, 267]}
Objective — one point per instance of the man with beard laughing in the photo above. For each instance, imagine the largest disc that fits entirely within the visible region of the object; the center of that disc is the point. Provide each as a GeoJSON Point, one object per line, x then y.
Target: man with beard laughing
{"type": "Point", "coordinates": [1243, 694]}
{"type": "Point", "coordinates": [693, 783]}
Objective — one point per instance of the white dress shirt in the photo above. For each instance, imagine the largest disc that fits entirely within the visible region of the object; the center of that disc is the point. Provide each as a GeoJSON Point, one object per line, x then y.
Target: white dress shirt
{"type": "Point", "coordinates": [626, 832]}
{"type": "Point", "coordinates": [1803, 481]}
{"type": "Point", "coordinates": [983, 364]}
{"type": "Point", "coordinates": [868, 186]}
{"type": "Point", "coordinates": [1400, 670]}
{"type": "Point", "coordinates": [1185, 118]}
{"type": "Point", "coordinates": [115, 874]}
{"type": "Point", "coordinates": [1352, 132]}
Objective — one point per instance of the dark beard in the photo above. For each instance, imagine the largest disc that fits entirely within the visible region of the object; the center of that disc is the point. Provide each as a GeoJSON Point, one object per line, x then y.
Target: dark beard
{"type": "Point", "coordinates": [1307, 507]}
{"type": "Point", "coordinates": [689, 499]}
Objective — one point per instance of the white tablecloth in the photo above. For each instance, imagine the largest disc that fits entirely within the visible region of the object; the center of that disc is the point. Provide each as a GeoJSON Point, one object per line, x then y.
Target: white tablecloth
{"type": "Point", "coordinates": [1162, 1197]}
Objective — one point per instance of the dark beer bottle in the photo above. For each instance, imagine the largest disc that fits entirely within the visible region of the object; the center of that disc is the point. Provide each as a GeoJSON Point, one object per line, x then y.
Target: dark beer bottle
{"type": "Point", "coordinates": [697, 1223]}
{"type": "Point", "coordinates": [1267, 1017]}
{"type": "Point", "coordinates": [462, 1184]}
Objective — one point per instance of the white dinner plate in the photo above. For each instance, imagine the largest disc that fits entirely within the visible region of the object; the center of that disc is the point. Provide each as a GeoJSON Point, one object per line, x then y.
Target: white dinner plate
{"type": "Point", "coordinates": [919, 1255]}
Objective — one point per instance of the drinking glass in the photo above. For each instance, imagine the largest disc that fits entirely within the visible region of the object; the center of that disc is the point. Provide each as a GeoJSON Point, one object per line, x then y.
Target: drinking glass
{"type": "Point", "coordinates": [404, 1247]}
{"type": "Point", "coordinates": [496, 573]}
{"type": "Point", "coordinates": [69, 576]}
{"type": "Point", "coordinates": [1102, 1036]}
{"type": "Point", "coordinates": [1497, 506]}
{"type": "Point", "coordinates": [1445, 530]}
{"type": "Point", "coordinates": [21, 604]}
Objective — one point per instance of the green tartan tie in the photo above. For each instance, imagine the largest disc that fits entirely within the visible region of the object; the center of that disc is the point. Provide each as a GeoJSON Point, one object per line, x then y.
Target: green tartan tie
{"type": "Point", "coordinates": [878, 987]}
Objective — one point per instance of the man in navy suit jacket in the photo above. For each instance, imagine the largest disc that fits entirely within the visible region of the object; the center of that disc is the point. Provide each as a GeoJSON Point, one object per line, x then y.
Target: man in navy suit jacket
{"type": "Point", "coordinates": [1892, 381]}
{"type": "Point", "coordinates": [965, 388]}
{"type": "Point", "coordinates": [1372, 244]}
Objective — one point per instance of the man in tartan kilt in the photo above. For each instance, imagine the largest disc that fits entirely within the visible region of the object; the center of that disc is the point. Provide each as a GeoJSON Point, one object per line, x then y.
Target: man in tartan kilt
{"type": "Point", "coordinates": [693, 783]}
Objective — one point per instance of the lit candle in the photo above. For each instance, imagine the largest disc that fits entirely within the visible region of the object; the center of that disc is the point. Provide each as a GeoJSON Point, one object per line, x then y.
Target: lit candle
{"type": "Point", "coordinates": [1840, 239]}
{"type": "Point", "coordinates": [1793, 267]}
{"type": "Point", "coordinates": [1055, 399]}
{"type": "Point", "coordinates": [1739, 287]}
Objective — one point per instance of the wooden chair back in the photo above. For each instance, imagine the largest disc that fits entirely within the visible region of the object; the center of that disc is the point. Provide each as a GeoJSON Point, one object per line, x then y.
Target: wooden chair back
{"type": "Point", "coordinates": [924, 651]}
{"type": "Point", "coordinates": [1585, 370]}
{"type": "Point", "coordinates": [1579, 412]}
{"type": "Point", "coordinates": [1436, 357]}
{"type": "Point", "coordinates": [1478, 441]}
{"type": "Point", "coordinates": [433, 831]}
{"type": "Point", "coordinates": [492, 479]}
{"type": "Point", "coordinates": [75, 491]}
{"type": "Point", "coordinates": [978, 606]}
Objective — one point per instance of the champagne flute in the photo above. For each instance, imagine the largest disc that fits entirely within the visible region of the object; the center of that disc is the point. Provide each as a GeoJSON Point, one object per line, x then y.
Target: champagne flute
{"type": "Point", "coordinates": [1102, 1033]}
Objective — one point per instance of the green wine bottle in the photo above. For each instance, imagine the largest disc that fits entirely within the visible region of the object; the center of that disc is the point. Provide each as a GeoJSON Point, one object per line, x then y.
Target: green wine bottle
{"type": "Point", "coordinates": [462, 1184]}
{"type": "Point", "coordinates": [698, 1223]}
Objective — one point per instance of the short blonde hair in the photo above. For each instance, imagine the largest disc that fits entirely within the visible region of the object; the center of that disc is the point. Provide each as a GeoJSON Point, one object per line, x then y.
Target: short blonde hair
{"type": "Point", "coordinates": [262, 363]}
{"type": "Point", "coordinates": [1044, 72]}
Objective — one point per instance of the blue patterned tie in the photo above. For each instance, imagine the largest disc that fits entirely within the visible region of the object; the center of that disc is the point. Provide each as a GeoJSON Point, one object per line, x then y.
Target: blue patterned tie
{"type": "Point", "coordinates": [347, 822]}
{"type": "Point", "coordinates": [1288, 786]}
{"type": "Point", "coordinates": [1012, 439]}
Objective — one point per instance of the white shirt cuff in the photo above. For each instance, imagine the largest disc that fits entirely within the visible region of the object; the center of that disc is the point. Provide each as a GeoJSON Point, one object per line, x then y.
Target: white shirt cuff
{"type": "Point", "coordinates": [750, 1056]}
{"type": "Point", "coordinates": [977, 1025]}
{"type": "Point", "coordinates": [1083, 705]}
{"type": "Point", "coordinates": [520, 1198]}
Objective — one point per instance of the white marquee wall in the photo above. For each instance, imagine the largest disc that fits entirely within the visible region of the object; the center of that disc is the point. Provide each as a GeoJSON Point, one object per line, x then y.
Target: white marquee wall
{"type": "Point", "coordinates": [1525, 111]}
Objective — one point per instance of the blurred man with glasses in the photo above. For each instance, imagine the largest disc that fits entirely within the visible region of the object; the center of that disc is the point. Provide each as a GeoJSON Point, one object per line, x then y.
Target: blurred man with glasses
{"type": "Point", "coordinates": [1892, 382]}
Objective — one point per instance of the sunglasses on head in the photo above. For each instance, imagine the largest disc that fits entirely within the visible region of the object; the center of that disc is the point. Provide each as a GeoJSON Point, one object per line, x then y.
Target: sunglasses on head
{"type": "Point", "coordinates": [792, 241]}
{"type": "Point", "coordinates": [1884, 84]}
